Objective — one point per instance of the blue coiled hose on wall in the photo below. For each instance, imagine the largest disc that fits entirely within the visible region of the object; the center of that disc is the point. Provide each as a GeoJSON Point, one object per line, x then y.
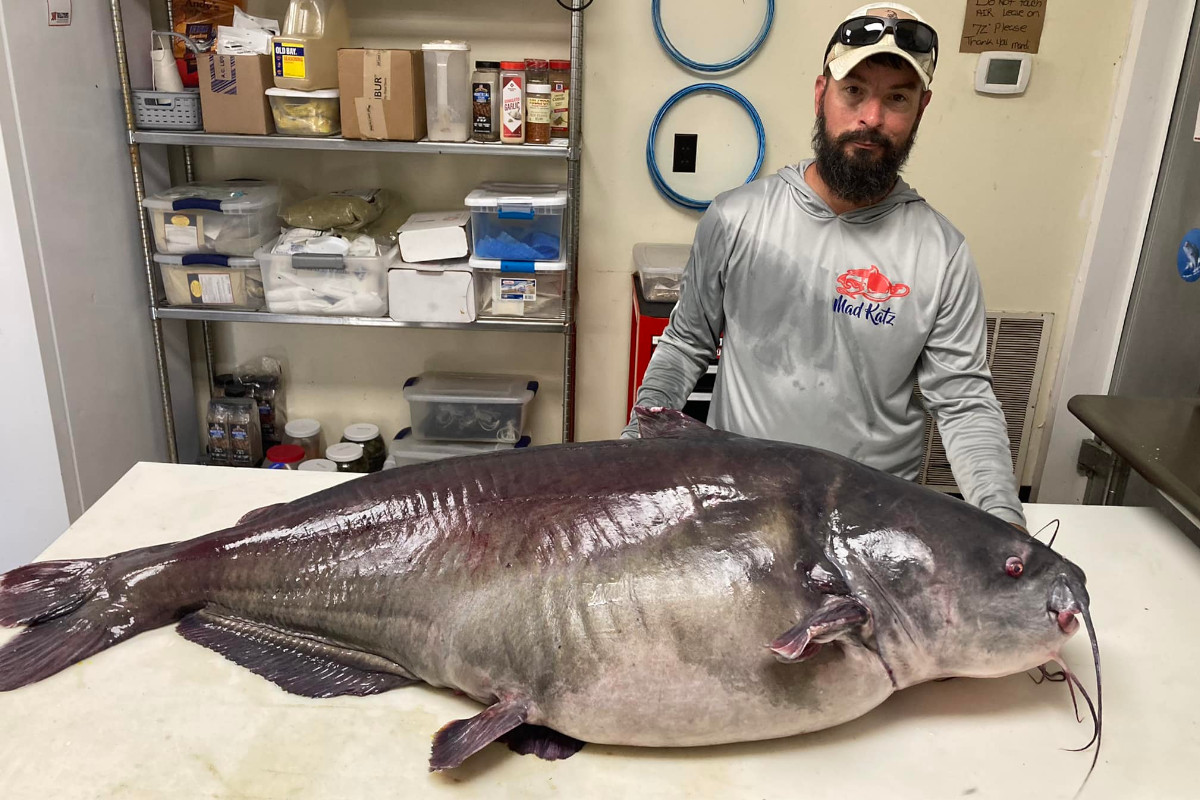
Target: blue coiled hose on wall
{"type": "Point", "coordinates": [656, 12]}
{"type": "Point", "coordinates": [652, 161]}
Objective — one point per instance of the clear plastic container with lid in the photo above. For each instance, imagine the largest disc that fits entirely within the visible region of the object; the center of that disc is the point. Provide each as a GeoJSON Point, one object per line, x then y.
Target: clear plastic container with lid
{"type": "Point", "coordinates": [406, 450]}
{"type": "Point", "coordinates": [660, 268]}
{"type": "Point", "coordinates": [527, 289]}
{"type": "Point", "coordinates": [297, 113]}
{"type": "Point", "coordinates": [318, 465]}
{"type": "Point", "coordinates": [305, 51]}
{"type": "Point", "coordinates": [284, 456]}
{"type": "Point", "coordinates": [469, 407]}
{"type": "Point", "coordinates": [305, 433]}
{"type": "Point", "coordinates": [349, 457]}
{"type": "Point", "coordinates": [367, 434]}
{"type": "Point", "coordinates": [517, 221]}
{"type": "Point", "coordinates": [207, 280]}
{"type": "Point", "coordinates": [233, 218]}
{"type": "Point", "coordinates": [447, 91]}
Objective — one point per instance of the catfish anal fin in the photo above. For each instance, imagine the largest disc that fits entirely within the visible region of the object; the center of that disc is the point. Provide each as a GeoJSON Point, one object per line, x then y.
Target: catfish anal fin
{"type": "Point", "coordinates": [296, 663]}
{"type": "Point", "coordinates": [837, 617]}
{"type": "Point", "coordinates": [545, 743]}
{"type": "Point", "coordinates": [459, 740]}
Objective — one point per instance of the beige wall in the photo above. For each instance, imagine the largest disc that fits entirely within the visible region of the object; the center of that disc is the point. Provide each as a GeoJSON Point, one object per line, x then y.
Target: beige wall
{"type": "Point", "coordinates": [1017, 175]}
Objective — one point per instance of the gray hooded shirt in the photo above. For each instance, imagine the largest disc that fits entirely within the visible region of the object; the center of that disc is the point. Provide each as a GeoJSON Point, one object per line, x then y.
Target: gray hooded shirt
{"type": "Point", "coordinates": [825, 322]}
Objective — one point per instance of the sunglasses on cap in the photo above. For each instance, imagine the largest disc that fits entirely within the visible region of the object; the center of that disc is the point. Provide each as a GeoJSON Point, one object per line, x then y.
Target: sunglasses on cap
{"type": "Point", "coordinates": [909, 34]}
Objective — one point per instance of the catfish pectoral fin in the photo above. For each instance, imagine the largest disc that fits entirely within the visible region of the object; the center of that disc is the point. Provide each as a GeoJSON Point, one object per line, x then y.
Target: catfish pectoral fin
{"type": "Point", "coordinates": [837, 617]}
{"type": "Point", "coordinates": [459, 740]}
{"type": "Point", "coordinates": [296, 663]}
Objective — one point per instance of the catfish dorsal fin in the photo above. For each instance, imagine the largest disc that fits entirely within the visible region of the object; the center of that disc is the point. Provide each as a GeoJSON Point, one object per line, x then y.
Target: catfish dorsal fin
{"type": "Point", "coordinates": [657, 423]}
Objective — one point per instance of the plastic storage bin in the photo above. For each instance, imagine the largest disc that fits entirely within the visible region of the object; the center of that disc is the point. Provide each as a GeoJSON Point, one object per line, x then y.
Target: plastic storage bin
{"type": "Point", "coordinates": [660, 268]}
{"type": "Point", "coordinates": [406, 450]}
{"type": "Point", "coordinates": [531, 290]}
{"type": "Point", "coordinates": [207, 280]}
{"type": "Point", "coordinates": [517, 222]}
{"type": "Point", "coordinates": [297, 113]}
{"type": "Point", "coordinates": [465, 407]}
{"type": "Point", "coordinates": [233, 218]}
{"type": "Point", "coordinates": [325, 285]}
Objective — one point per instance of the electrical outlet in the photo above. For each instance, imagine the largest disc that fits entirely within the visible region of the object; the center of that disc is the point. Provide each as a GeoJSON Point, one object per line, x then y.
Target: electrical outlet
{"type": "Point", "coordinates": [685, 152]}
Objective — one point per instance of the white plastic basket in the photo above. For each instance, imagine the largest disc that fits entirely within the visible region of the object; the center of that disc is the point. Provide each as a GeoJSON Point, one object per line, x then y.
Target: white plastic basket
{"type": "Point", "coordinates": [179, 111]}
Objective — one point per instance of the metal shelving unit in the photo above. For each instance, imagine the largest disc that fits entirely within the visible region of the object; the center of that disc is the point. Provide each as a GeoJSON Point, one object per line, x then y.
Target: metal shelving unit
{"type": "Point", "coordinates": [570, 153]}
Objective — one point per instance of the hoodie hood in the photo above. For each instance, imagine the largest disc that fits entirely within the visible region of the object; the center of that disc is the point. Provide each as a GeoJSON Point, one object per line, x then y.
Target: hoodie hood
{"type": "Point", "coordinates": [812, 203]}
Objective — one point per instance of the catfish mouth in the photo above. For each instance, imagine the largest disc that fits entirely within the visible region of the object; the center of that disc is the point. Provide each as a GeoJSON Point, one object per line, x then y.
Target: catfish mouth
{"type": "Point", "coordinates": [1068, 621]}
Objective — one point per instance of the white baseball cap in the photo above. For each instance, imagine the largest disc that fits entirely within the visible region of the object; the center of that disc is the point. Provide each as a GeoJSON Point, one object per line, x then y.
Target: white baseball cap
{"type": "Point", "coordinates": [841, 58]}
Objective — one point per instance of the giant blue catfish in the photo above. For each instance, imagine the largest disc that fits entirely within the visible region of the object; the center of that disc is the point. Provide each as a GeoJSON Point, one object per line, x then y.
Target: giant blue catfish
{"type": "Point", "coordinates": [689, 588]}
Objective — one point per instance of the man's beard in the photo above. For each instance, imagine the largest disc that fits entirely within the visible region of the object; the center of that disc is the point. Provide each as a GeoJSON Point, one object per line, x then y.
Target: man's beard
{"type": "Point", "coordinates": [860, 176]}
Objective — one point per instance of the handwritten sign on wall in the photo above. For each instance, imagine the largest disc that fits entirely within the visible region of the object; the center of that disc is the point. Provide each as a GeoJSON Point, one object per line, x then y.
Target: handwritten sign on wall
{"type": "Point", "coordinates": [1003, 25]}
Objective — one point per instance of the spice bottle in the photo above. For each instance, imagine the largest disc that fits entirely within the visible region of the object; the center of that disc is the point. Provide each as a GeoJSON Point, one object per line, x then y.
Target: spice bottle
{"type": "Point", "coordinates": [218, 432]}
{"type": "Point", "coordinates": [512, 102]}
{"type": "Point", "coordinates": [485, 101]}
{"type": "Point", "coordinates": [367, 434]}
{"type": "Point", "coordinates": [283, 456]}
{"type": "Point", "coordinates": [537, 70]}
{"type": "Point", "coordinates": [560, 98]}
{"type": "Point", "coordinates": [349, 456]}
{"type": "Point", "coordinates": [537, 113]}
{"type": "Point", "coordinates": [245, 432]}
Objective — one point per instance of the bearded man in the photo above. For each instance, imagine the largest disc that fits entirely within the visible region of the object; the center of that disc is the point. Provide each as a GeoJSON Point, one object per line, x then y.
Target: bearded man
{"type": "Point", "coordinates": [832, 286]}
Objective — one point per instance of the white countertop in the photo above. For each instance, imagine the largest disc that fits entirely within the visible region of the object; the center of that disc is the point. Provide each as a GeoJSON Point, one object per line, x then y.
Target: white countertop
{"type": "Point", "coordinates": [158, 716]}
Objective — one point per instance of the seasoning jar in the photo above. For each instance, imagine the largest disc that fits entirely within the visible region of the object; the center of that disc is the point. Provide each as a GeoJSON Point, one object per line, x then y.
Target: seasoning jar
{"type": "Point", "coordinates": [217, 423]}
{"type": "Point", "coordinates": [512, 102]}
{"type": "Point", "coordinates": [349, 456]}
{"type": "Point", "coordinates": [537, 70]}
{"type": "Point", "coordinates": [560, 98]}
{"type": "Point", "coordinates": [245, 433]}
{"type": "Point", "coordinates": [317, 465]}
{"type": "Point", "coordinates": [367, 435]}
{"type": "Point", "coordinates": [306, 433]}
{"type": "Point", "coordinates": [265, 391]}
{"type": "Point", "coordinates": [485, 101]}
{"type": "Point", "coordinates": [284, 456]}
{"type": "Point", "coordinates": [537, 113]}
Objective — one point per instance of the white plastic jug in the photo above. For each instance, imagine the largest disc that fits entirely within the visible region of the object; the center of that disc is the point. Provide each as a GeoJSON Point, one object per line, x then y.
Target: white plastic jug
{"type": "Point", "coordinates": [447, 90]}
{"type": "Point", "coordinates": [305, 51]}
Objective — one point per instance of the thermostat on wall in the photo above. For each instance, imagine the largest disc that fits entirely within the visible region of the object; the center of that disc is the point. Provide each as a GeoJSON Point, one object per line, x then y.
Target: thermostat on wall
{"type": "Point", "coordinates": [1002, 72]}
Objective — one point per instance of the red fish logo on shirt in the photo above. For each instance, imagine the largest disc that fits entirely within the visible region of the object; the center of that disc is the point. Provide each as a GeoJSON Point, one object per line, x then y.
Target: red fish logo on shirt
{"type": "Point", "coordinates": [871, 284]}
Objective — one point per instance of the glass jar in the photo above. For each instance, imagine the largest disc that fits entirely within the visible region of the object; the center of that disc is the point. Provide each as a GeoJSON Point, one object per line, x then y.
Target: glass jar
{"type": "Point", "coordinates": [512, 102]}
{"type": "Point", "coordinates": [367, 435]}
{"type": "Point", "coordinates": [317, 465]}
{"type": "Point", "coordinates": [537, 113]}
{"type": "Point", "coordinates": [537, 70]}
{"type": "Point", "coordinates": [485, 101]}
{"type": "Point", "coordinates": [348, 456]}
{"type": "Point", "coordinates": [305, 433]}
{"type": "Point", "coordinates": [560, 98]}
{"type": "Point", "coordinates": [284, 456]}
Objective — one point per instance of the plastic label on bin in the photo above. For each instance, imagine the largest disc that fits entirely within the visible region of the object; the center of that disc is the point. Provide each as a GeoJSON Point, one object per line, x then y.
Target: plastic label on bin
{"type": "Point", "coordinates": [515, 212]}
{"type": "Point", "coordinates": [523, 289]}
{"type": "Point", "coordinates": [330, 261]}
{"type": "Point", "coordinates": [209, 288]}
{"type": "Point", "coordinates": [183, 231]}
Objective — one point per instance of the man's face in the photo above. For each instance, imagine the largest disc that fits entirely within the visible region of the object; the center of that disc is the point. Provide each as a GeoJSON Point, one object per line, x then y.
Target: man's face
{"type": "Point", "coordinates": [865, 129]}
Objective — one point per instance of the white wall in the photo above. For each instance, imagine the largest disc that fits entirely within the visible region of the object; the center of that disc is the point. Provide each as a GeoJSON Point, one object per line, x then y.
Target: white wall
{"type": "Point", "coordinates": [31, 488]}
{"type": "Point", "coordinates": [71, 225]}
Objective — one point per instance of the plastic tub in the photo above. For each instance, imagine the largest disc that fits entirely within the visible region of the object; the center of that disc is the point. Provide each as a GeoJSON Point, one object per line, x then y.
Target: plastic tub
{"type": "Point", "coordinates": [527, 289]}
{"type": "Point", "coordinates": [233, 218]}
{"type": "Point", "coordinates": [211, 281]}
{"type": "Point", "coordinates": [406, 450]}
{"type": "Point", "coordinates": [297, 113]}
{"type": "Point", "coordinates": [517, 222]}
{"type": "Point", "coordinates": [325, 285]}
{"type": "Point", "coordinates": [447, 91]}
{"type": "Point", "coordinates": [660, 268]}
{"type": "Point", "coordinates": [465, 407]}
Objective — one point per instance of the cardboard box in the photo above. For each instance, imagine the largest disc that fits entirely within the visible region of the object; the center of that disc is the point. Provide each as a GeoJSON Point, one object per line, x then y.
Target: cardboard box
{"type": "Point", "coordinates": [233, 93]}
{"type": "Point", "coordinates": [434, 236]}
{"type": "Point", "coordinates": [441, 292]}
{"type": "Point", "coordinates": [383, 94]}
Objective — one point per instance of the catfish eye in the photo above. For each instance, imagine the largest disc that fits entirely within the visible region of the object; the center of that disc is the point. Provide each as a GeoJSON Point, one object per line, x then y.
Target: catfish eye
{"type": "Point", "coordinates": [1014, 567]}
